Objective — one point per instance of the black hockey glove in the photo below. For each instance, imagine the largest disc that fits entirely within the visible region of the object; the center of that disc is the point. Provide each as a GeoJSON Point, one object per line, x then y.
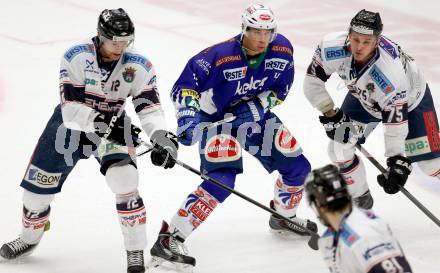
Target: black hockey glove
{"type": "Point", "coordinates": [339, 127]}
{"type": "Point", "coordinates": [165, 148]}
{"type": "Point", "coordinates": [399, 167]}
{"type": "Point", "coordinates": [113, 130]}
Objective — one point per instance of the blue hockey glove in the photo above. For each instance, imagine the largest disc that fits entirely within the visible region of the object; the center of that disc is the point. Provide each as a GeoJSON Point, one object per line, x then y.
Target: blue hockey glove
{"type": "Point", "coordinates": [250, 111]}
{"type": "Point", "coordinates": [399, 167]}
{"type": "Point", "coordinates": [187, 120]}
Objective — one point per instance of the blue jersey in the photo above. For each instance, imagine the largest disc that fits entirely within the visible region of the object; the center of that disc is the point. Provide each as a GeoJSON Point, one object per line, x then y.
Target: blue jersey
{"type": "Point", "coordinates": [219, 77]}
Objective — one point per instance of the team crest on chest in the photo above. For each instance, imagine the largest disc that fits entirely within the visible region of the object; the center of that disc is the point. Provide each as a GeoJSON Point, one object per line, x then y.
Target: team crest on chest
{"type": "Point", "coordinates": [129, 74]}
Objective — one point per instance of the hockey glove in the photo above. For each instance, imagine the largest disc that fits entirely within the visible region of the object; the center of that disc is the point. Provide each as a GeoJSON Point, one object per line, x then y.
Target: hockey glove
{"type": "Point", "coordinates": [399, 167]}
{"type": "Point", "coordinates": [250, 111]}
{"type": "Point", "coordinates": [113, 129]}
{"type": "Point", "coordinates": [187, 120]}
{"type": "Point", "coordinates": [165, 146]}
{"type": "Point", "coordinates": [339, 127]}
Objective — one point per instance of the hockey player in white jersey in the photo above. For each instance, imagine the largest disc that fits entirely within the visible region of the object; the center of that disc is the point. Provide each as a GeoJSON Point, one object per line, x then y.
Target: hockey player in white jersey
{"type": "Point", "coordinates": [96, 78]}
{"type": "Point", "coordinates": [385, 86]}
{"type": "Point", "coordinates": [356, 240]}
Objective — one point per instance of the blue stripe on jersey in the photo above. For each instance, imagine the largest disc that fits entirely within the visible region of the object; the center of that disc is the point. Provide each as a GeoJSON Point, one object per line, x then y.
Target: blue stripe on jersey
{"type": "Point", "coordinates": [74, 51]}
{"type": "Point", "coordinates": [146, 99]}
{"type": "Point", "coordinates": [72, 93]}
{"type": "Point", "coordinates": [388, 47]}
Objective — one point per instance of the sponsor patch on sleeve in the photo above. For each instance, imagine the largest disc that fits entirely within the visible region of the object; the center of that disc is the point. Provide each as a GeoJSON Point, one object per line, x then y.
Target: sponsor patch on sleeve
{"type": "Point", "coordinates": [334, 53]}
{"type": "Point", "coordinates": [74, 51]}
{"type": "Point", "coordinates": [136, 59]}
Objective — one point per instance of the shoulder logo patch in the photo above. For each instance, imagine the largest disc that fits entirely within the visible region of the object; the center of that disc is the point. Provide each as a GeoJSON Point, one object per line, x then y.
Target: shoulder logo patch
{"type": "Point", "coordinates": [136, 59]}
{"type": "Point", "coordinates": [334, 53]}
{"type": "Point", "coordinates": [74, 51]}
{"type": "Point", "coordinates": [381, 80]}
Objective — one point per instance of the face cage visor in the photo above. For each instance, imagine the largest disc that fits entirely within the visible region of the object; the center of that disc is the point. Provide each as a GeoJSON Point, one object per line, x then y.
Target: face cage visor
{"type": "Point", "coordinates": [118, 41]}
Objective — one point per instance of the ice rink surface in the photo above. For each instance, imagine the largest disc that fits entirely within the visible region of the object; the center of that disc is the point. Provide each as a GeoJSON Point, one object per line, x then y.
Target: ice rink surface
{"type": "Point", "coordinates": [85, 235]}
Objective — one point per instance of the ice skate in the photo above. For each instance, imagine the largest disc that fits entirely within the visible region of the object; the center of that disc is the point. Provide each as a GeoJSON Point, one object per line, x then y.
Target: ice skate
{"type": "Point", "coordinates": [282, 227]}
{"type": "Point", "coordinates": [135, 261]}
{"type": "Point", "coordinates": [170, 252]}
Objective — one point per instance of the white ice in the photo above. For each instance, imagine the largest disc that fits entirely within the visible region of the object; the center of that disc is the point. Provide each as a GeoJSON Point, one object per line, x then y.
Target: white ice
{"type": "Point", "coordinates": [85, 235]}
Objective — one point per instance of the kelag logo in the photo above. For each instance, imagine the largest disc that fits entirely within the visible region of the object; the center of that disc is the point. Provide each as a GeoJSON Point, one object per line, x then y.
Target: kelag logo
{"type": "Point", "coordinates": [235, 73]}
{"type": "Point", "coordinates": [252, 85]}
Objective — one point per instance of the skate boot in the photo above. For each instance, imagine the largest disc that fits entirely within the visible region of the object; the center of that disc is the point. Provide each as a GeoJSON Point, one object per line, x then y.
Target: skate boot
{"type": "Point", "coordinates": [135, 261]}
{"type": "Point", "coordinates": [365, 201]}
{"type": "Point", "coordinates": [16, 248]}
{"type": "Point", "coordinates": [170, 248]}
{"type": "Point", "coordinates": [283, 227]}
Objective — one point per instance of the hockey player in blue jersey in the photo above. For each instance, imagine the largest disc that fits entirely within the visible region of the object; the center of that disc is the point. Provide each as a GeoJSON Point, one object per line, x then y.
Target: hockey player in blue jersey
{"type": "Point", "coordinates": [96, 77]}
{"type": "Point", "coordinates": [245, 76]}
{"type": "Point", "coordinates": [356, 240]}
{"type": "Point", "coordinates": [385, 85]}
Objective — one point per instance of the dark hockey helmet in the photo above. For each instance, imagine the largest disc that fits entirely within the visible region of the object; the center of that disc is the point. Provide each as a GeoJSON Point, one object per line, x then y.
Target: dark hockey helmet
{"type": "Point", "coordinates": [367, 22]}
{"type": "Point", "coordinates": [326, 185]}
{"type": "Point", "coordinates": [115, 25]}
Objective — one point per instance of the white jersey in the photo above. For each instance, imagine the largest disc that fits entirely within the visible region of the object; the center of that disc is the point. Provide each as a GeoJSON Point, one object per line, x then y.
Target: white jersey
{"type": "Point", "coordinates": [87, 89]}
{"type": "Point", "coordinates": [388, 87]}
{"type": "Point", "coordinates": [364, 244]}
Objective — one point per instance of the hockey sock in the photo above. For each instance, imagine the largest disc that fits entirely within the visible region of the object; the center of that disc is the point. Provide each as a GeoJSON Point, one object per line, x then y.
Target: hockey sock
{"type": "Point", "coordinates": [132, 218]}
{"type": "Point", "coordinates": [35, 222]}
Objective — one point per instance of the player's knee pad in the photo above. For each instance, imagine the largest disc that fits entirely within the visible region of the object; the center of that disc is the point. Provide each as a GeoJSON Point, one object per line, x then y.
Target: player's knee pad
{"type": "Point", "coordinates": [295, 174]}
{"type": "Point", "coordinates": [37, 202]}
{"type": "Point", "coordinates": [430, 167]}
{"type": "Point", "coordinates": [339, 152]}
{"type": "Point", "coordinates": [225, 176]}
{"type": "Point", "coordinates": [354, 173]}
{"type": "Point", "coordinates": [122, 179]}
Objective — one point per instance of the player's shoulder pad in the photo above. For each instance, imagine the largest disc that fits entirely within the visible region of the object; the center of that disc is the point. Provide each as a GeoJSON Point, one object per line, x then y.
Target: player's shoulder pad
{"type": "Point", "coordinates": [79, 49]}
{"type": "Point", "coordinates": [333, 46]}
{"type": "Point", "coordinates": [219, 54]}
{"type": "Point", "coordinates": [133, 57]}
{"type": "Point", "coordinates": [281, 45]}
{"type": "Point", "coordinates": [361, 225]}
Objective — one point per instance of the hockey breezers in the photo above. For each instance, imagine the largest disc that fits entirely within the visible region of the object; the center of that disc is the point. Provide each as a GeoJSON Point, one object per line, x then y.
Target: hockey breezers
{"type": "Point", "coordinates": [402, 189]}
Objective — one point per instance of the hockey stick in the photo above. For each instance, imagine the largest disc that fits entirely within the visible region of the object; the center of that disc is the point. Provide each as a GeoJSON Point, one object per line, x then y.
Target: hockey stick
{"type": "Point", "coordinates": [139, 141]}
{"type": "Point", "coordinates": [313, 242]}
{"type": "Point", "coordinates": [402, 189]}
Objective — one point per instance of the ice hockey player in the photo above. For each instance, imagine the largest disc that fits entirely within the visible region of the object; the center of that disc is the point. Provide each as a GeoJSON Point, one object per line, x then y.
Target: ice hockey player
{"type": "Point", "coordinates": [96, 78]}
{"type": "Point", "coordinates": [245, 76]}
{"type": "Point", "coordinates": [356, 240]}
{"type": "Point", "coordinates": [384, 85]}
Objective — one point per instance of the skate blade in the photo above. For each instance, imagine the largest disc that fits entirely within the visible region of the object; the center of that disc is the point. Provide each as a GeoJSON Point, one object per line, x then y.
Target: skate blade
{"type": "Point", "coordinates": [158, 265]}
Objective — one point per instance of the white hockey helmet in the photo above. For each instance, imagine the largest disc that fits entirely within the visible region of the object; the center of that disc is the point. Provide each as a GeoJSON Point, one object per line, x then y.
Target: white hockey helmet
{"type": "Point", "coordinates": [259, 16]}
